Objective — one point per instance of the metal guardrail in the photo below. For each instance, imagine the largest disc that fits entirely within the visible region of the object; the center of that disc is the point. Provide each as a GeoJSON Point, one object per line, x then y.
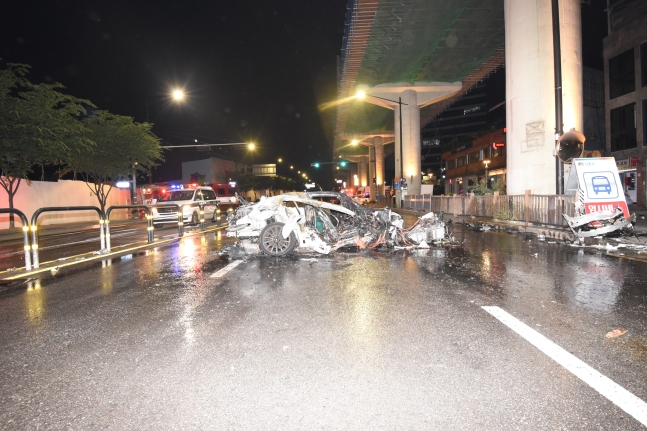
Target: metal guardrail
{"type": "Point", "coordinates": [539, 209]}
{"type": "Point", "coordinates": [32, 259]}
{"type": "Point", "coordinates": [149, 219]}
{"type": "Point", "coordinates": [25, 232]}
{"type": "Point", "coordinates": [34, 228]}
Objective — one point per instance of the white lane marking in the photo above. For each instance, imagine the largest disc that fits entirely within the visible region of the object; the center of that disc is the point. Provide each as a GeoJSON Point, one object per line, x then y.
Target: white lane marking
{"type": "Point", "coordinates": [605, 386]}
{"type": "Point", "coordinates": [226, 269]}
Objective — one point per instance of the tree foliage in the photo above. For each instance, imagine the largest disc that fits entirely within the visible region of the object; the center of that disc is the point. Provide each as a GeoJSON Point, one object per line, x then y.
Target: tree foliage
{"type": "Point", "coordinates": [480, 188]}
{"type": "Point", "coordinates": [120, 146]}
{"type": "Point", "coordinates": [38, 125]}
{"type": "Point", "coordinates": [248, 183]}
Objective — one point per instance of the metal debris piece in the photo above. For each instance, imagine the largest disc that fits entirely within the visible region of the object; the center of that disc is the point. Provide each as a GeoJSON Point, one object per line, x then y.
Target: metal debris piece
{"type": "Point", "coordinates": [600, 223]}
{"type": "Point", "coordinates": [328, 221]}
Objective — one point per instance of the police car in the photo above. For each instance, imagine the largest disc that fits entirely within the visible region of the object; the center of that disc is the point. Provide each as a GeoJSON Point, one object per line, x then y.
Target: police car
{"type": "Point", "coordinates": [189, 201]}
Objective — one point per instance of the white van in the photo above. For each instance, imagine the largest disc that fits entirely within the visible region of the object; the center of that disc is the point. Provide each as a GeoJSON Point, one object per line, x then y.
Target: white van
{"type": "Point", "coordinates": [188, 200]}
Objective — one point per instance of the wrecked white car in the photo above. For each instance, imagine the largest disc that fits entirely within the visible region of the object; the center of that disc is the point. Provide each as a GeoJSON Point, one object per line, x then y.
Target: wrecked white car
{"type": "Point", "coordinates": [324, 222]}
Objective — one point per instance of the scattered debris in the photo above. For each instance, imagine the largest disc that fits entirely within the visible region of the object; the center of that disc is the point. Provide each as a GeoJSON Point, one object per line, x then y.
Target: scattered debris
{"type": "Point", "coordinates": [616, 333]}
{"type": "Point", "coordinates": [600, 223]}
{"type": "Point", "coordinates": [325, 222]}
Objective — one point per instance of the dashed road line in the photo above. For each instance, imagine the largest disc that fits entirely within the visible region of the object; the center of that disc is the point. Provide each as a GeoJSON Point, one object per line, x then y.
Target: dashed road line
{"type": "Point", "coordinates": [605, 386]}
{"type": "Point", "coordinates": [222, 271]}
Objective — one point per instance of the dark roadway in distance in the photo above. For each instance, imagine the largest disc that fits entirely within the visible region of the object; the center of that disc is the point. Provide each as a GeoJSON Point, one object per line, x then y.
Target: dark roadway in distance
{"type": "Point", "coordinates": [353, 340]}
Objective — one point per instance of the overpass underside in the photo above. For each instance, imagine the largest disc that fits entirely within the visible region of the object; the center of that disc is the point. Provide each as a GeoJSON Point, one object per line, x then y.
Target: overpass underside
{"type": "Point", "coordinates": [413, 57]}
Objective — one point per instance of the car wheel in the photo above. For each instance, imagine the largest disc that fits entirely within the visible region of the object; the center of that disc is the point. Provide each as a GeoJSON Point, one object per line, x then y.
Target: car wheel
{"type": "Point", "coordinates": [194, 218]}
{"type": "Point", "coordinates": [271, 240]}
{"type": "Point", "coordinates": [157, 225]}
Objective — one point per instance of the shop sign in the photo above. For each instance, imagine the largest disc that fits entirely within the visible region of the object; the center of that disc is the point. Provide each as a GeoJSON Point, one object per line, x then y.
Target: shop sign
{"type": "Point", "coordinates": [598, 183]}
{"type": "Point", "coordinates": [633, 161]}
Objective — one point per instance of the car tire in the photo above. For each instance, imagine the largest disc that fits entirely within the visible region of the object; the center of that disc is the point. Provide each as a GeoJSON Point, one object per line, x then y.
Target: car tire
{"type": "Point", "coordinates": [157, 225]}
{"type": "Point", "coordinates": [195, 219]}
{"type": "Point", "coordinates": [271, 240]}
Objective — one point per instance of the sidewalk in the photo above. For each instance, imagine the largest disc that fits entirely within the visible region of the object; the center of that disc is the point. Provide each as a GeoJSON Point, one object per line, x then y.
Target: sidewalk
{"type": "Point", "coordinates": [550, 232]}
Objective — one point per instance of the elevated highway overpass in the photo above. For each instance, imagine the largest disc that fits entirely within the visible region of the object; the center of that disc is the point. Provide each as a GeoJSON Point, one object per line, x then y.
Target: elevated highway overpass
{"type": "Point", "coordinates": [416, 57]}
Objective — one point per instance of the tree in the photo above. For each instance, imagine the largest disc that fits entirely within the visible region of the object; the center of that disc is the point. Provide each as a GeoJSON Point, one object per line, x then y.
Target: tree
{"type": "Point", "coordinates": [38, 125]}
{"type": "Point", "coordinates": [284, 184]}
{"type": "Point", "coordinates": [480, 188]}
{"type": "Point", "coordinates": [248, 182]}
{"type": "Point", "coordinates": [121, 147]}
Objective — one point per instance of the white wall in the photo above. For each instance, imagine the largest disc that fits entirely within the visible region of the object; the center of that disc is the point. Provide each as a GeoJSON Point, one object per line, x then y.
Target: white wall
{"type": "Point", "coordinates": [64, 193]}
{"type": "Point", "coordinates": [530, 89]}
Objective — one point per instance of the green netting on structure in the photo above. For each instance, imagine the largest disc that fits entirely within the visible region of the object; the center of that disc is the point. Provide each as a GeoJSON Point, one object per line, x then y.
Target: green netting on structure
{"type": "Point", "coordinates": [424, 41]}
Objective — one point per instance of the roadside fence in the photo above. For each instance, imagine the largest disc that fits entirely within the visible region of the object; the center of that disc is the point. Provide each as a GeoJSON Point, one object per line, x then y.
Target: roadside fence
{"type": "Point", "coordinates": [527, 208]}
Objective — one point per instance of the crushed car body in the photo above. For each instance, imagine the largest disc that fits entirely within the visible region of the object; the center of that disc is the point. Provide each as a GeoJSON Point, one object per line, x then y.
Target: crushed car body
{"type": "Point", "coordinates": [324, 222]}
{"type": "Point", "coordinates": [600, 223]}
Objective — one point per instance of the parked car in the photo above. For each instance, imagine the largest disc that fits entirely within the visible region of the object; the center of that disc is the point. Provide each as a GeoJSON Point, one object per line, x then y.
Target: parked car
{"type": "Point", "coordinates": [189, 200]}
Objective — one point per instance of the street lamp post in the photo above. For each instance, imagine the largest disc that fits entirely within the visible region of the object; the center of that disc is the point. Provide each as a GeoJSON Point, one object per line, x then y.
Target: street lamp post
{"type": "Point", "coordinates": [361, 95]}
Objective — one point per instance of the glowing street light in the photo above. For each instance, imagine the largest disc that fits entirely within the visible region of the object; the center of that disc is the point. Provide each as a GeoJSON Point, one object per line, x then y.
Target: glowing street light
{"type": "Point", "coordinates": [280, 160]}
{"type": "Point", "coordinates": [251, 146]}
{"type": "Point", "coordinates": [354, 142]}
{"type": "Point", "coordinates": [178, 95]}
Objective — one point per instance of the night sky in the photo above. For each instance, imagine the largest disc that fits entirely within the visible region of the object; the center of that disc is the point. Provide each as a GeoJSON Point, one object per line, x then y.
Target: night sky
{"type": "Point", "coordinates": [254, 70]}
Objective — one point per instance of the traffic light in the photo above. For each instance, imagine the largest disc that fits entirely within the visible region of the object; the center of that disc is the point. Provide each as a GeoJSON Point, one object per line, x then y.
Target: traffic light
{"type": "Point", "coordinates": [316, 165]}
{"type": "Point", "coordinates": [570, 146]}
{"type": "Point", "coordinates": [342, 163]}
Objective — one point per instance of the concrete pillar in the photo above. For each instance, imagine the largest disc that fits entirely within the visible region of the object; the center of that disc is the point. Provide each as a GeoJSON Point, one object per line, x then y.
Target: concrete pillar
{"type": "Point", "coordinates": [411, 141]}
{"type": "Point", "coordinates": [414, 96]}
{"type": "Point", "coordinates": [408, 159]}
{"type": "Point", "coordinates": [530, 89]}
{"type": "Point", "coordinates": [378, 145]}
{"type": "Point", "coordinates": [362, 171]}
{"type": "Point", "coordinates": [371, 170]}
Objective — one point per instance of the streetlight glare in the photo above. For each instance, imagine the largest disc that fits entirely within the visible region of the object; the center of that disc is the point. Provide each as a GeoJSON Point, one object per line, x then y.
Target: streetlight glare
{"type": "Point", "coordinates": [354, 142]}
{"type": "Point", "coordinates": [280, 160]}
{"type": "Point", "coordinates": [251, 146]}
{"type": "Point", "coordinates": [360, 94]}
{"type": "Point", "coordinates": [178, 94]}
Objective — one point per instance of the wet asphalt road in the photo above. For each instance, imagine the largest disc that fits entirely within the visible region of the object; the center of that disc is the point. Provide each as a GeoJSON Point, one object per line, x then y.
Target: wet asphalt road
{"type": "Point", "coordinates": [375, 340]}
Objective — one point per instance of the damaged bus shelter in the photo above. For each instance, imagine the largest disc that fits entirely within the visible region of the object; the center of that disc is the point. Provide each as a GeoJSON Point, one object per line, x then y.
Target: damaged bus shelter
{"type": "Point", "coordinates": [600, 207]}
{"type": "Point", "coordinates": [324, 222]}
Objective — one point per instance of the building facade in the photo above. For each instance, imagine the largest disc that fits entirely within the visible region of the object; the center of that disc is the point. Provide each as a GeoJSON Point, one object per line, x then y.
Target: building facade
{"type": "Point", "coordinates": [625, 75]}
{"type": "Point", "coordinates": [483, 158]}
